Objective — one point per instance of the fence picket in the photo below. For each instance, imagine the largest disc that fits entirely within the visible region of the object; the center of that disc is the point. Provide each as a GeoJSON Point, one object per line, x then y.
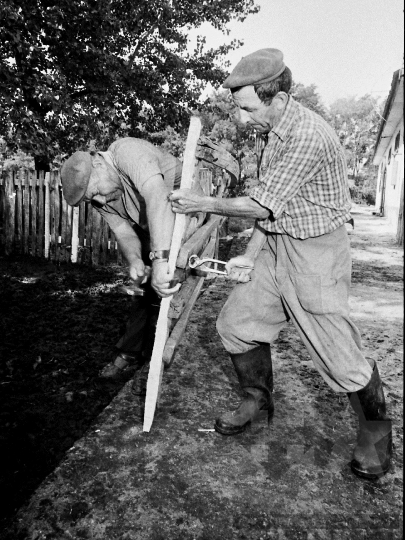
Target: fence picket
{"type": "Point", "coordinates": [9, 214]}
{"type": "Point", "coordinates": [41, 217]}
{"type": "Point", "coordinates": [52, 222]}
{"type": "Point", "coordinates": [18, 211]}
{"type": "Point", "coordinates": [26, 210]}
{"type": "Point", "coordinates": [69, 218]}
{"type": "Point", "coordinates": [47, 214]}
{"type": "Point", "coordinates": [82, 233]}
{"type": "Point", "coordinates": [36, 220]}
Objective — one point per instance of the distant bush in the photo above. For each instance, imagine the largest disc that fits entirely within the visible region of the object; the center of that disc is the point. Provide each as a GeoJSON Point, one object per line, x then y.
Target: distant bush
{"type": "Point", "coordinates": [15, 161]}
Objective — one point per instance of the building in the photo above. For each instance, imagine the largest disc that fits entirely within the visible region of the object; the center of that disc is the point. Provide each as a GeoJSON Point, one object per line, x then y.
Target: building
{"type": "Point", "coordinates": [389, 157]}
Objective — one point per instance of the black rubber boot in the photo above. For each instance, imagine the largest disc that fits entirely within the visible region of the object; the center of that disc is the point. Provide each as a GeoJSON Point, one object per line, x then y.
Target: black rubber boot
{"type": "Point", "coordinates": [373, 453]}
{"type": "Point", "coordinates": [255, 373]}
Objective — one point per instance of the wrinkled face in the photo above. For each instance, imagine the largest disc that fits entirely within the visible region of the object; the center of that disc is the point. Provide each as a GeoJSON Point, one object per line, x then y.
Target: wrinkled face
{"type": "Point", "coordinates": [253, 112]}
{"type": "Point", "coordinates": [104, 185]}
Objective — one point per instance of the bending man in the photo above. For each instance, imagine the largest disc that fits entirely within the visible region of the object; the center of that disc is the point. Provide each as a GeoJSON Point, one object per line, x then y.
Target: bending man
{"type": "Point", "coordinates": [129, 185]}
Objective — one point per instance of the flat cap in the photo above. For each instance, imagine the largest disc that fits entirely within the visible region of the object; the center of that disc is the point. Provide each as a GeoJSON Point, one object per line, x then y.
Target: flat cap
{"type": "Point", "coordinates": [75, 176]}
{"type": "Point", "coordinates": [259, 67]}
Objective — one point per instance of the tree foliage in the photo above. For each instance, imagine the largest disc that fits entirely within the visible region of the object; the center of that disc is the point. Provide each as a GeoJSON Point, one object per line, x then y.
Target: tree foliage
{"type": "Point", "coordinates": [356, 121]}
{"type": "Point", "coordinates": [308, 97]}
{"type": "Point", "coordinates": [81, 70]}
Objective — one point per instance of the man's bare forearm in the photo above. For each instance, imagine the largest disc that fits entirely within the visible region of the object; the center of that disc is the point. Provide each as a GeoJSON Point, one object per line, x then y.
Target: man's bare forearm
{"type": "Point", "coordinates": [128, 242]}
{"type": "Point", "coordinates": [256, 243]}
{"type": "Point", "coordinates": [238, 207]}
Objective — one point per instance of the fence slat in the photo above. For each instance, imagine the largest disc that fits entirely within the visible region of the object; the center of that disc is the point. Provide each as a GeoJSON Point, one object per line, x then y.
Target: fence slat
{"type": "Point", "coordinates": [63, 220]}
{"type": "Point", "coordinates": [47, 216]}
{"type": "Point", "coordinates": [89, 226]}
{"type": "Point", "coordinates": [82, 233]}
{"type": "Point", "coordinates": [52, 221]}
{"type": "Point", "coordinates": [69, 218]}
{"type": "Point", "coordinates": [36, 220]}
{"type": "Point", "coordinates": [18, 212]}
{"type": "Point", "coordinates": [26, 210]}
{"type": "Point", "coordinates": [41, 217]}
{"type": "Point", "coordinates": [33, 214]}
{"type": "Point", "coordinates": [9, 214]}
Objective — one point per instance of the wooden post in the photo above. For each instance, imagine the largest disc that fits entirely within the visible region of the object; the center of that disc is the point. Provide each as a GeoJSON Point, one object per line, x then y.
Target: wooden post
{"type": "Point", "coordinates": [33, 213]}
{"type": "Point", "coordinates": [58, 234]}
{"type": "Point", "coordinates": [156, 363]}
{"type": "Point", "coordinates": [69, 214]}
{"type": "Point", "coordinates": [52, 221]}
{"type": "Point", "coordinates": [26, 210]}
{"type": "Point", "coordinates": [40, 213]}
{"type": "Point", "coordinates": [19, 211]}
{"type": "Point", "coordinates": [9, 213]}
{"type": "Point", "coordinates": [82, 232]}
{"type": "Point", "coordinates": [47, 236]}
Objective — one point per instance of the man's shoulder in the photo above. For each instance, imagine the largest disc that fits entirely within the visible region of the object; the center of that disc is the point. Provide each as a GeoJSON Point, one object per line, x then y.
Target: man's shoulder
{"type": "Point", "coordinates": [134, 145]}
{"type": "Point", "coordinates": [312, 123]}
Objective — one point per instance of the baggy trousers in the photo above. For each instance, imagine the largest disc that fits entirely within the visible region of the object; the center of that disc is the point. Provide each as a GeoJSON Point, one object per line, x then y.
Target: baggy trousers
{"type": "Point", "coordinates": [307, 282]}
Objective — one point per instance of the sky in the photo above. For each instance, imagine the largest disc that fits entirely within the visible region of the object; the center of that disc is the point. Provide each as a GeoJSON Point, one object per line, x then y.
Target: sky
{"type": "Point", "coordinates": [344, 47]}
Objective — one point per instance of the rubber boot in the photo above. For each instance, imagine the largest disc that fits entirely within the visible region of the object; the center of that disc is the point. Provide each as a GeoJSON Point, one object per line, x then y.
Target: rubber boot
{"type": "Point", "coordinates": [373, 452]}
{"type": "Point", "coordinates": [255, 373]}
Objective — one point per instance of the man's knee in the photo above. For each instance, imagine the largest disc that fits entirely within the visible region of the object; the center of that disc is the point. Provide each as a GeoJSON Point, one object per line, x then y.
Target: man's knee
{"type": "Point", "coordinates": [224, 325]}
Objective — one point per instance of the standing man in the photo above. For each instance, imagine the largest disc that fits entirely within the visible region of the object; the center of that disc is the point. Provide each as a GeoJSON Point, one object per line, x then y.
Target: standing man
{"type": "Point", "coordinates": [300, 255]}
{"type": "Point", "coordinates": [129, 185]}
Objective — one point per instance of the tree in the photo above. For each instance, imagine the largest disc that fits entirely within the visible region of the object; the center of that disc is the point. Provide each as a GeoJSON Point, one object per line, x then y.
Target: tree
{"type": "Point", "coordinates": [309, 97]}
{"type": "Point", "coordinates": [81, 70]}
{"type": "Point", "coordinates": [356, 121]}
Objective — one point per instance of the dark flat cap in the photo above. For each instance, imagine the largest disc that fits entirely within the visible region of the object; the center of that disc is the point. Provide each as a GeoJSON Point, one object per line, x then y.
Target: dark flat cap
{"type": "Point", "coordinates": [259, 67]}
{"type": "Point", "coordinates": [75, 176]}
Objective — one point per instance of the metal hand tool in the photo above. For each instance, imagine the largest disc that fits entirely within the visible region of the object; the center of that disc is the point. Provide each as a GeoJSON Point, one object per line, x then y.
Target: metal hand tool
{"type": "Point", "coordinates": [194, 261]}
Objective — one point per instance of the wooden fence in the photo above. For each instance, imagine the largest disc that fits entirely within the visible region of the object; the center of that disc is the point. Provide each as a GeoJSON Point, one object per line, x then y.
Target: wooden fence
{"type": "Point", "coordinates": [36, 220]}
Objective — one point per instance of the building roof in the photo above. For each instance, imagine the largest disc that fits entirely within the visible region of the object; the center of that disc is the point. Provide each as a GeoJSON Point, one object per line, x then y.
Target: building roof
{"type": "Point", "coordinates": [393, 113]}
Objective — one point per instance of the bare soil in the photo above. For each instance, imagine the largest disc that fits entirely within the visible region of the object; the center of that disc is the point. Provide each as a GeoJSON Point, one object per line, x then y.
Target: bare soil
{"type": "Point", "coordinates": [76, 463]}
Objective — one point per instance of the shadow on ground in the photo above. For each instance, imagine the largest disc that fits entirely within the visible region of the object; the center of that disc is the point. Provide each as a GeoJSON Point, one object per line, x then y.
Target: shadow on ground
{"type": "Point", "coordinates": [57, 326]}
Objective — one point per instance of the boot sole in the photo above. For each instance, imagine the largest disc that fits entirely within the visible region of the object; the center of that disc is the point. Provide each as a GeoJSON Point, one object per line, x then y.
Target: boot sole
{"type": "Point", "coordinates": [368, 474]}
{"type": "Point", "coordinates": [240, 429]}
{"type": "Point", "coordinates": [235, 431]}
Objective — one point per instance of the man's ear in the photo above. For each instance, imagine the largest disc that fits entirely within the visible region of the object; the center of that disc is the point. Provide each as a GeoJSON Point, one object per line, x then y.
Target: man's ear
{"type": "Point", "coordinates": [97, 161]}
{"type": "Point", "coordinates": [281, 100]}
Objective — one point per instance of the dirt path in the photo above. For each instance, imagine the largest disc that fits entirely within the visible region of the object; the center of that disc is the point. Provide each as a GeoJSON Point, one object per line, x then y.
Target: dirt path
{"type": "Point", "coordinates": [289, 481]}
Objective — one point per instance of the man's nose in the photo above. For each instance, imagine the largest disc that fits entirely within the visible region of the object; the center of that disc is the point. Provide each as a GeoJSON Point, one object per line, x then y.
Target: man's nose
{"type": "Point", "coordinates": [243, 117]}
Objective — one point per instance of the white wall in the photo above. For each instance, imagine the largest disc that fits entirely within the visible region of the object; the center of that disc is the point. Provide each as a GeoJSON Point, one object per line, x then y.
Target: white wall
{"type": "Point", "coordinates": [394, 179]}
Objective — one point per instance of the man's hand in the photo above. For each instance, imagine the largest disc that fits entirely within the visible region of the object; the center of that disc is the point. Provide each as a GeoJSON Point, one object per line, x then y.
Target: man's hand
{"type": "Point", "coordinates": [186, 201]}
{"type": "Point", "coordinates": [161, 279]}
{"type": "Point", "coordinates": [235, 270]}
{"type": "Point", "coordinates": [137, 272]}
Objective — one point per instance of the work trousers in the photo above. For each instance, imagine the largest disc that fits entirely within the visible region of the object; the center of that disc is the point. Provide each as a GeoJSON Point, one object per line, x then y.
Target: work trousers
{"type": "Point", "coordinates": [305, 281]}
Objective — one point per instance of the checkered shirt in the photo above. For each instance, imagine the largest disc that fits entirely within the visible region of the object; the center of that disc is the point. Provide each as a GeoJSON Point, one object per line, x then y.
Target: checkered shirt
{"type": "Point", "coordinates": [303, 176]}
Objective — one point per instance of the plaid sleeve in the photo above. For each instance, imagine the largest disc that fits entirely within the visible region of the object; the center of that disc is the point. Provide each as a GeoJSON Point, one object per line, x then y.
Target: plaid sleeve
{"type": "Point", "coordinates": [295, 164]}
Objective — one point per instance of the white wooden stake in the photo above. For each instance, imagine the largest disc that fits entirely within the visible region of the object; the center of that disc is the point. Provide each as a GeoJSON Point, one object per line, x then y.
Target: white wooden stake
{"type": "Point", "coordinates": [156, 363]}
{"type": "Point", "coordinates": [75, 234]}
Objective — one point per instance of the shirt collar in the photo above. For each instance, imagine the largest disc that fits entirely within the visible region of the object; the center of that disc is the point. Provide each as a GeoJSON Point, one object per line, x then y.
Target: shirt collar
{"type": "Point", "coordinates": [286, 120]}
